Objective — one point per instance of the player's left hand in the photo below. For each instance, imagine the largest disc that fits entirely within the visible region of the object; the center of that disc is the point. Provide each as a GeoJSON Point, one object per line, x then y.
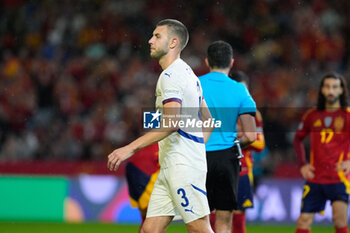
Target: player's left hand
{"type": "Point", "coordinates": [118, 156]}
{"type": "Point", "coordinates": [344, 166]}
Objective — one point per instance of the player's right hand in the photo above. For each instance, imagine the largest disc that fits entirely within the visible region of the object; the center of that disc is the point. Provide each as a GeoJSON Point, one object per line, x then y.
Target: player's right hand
{"type": "Point", "coordinates": [307, 171]}
{"type": "Point", "coordinates": [118, 156]}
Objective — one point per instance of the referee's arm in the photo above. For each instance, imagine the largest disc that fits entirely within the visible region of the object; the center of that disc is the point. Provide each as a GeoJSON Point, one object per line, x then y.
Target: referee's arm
{"type": "Point", "coordinates": [248, 128]}
{"type": "Point", "coordinates": [171, 111]}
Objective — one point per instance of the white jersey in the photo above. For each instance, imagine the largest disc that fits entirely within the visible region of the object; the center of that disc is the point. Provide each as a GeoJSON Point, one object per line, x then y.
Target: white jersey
{"type": "Point", "coordinates": [179, 83]}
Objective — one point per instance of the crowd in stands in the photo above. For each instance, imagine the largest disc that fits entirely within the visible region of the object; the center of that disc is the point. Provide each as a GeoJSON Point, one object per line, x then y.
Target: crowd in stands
{"type": "Point", "coordinates": [75, 75]}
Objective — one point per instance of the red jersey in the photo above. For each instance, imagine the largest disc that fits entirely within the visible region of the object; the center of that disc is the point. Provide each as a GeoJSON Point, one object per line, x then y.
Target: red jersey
{"type": "Point", "coordinates": [329, 140]}
{"type": "Point", "coordinates": [146, 159]}
{"type": "Point", "coordinates": [258, 146]}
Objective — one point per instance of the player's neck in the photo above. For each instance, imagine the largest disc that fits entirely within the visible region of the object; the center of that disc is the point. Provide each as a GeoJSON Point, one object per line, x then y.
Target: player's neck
{"type": "Point", "coordinates": [331, 107]}
{"type": "Point", "coordinates": [224, 71]}
{"type": "Point", "coordinates": [168, 59]}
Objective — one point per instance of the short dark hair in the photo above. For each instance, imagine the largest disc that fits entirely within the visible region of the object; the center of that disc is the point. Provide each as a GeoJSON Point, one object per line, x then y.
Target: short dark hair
{"type": "Point", "coordinates": [178, 28]}
{"type": "Point", "coordinates": [321, 101]}
{"type": "Point", "coordinates": [219, 54]}
{"type": "Point", "coordinates": [239, 76]}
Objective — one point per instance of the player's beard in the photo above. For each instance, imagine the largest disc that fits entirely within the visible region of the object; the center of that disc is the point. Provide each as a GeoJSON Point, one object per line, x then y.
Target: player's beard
{"type": "Point", "coordinates": [331, 99]}
{"type": "Point", "coordinates": [159, 53]}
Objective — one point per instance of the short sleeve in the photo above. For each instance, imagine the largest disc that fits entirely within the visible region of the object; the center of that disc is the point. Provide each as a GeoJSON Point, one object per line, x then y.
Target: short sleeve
{"type": "Point", "coordinates": [247, 105]}
{"type": "Point", "coordinates": [171, 89]}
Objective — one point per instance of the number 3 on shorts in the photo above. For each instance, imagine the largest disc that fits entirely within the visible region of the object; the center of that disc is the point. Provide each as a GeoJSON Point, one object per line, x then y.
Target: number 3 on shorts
{"type": "Point", "coordinates": [182, 192]}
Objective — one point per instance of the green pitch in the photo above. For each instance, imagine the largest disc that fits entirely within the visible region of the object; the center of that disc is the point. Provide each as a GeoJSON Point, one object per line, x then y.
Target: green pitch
{"type": "Point", "coordinates": [15, 227]}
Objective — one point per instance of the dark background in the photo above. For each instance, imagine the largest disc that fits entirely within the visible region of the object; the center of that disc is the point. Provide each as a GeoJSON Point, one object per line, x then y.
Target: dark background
{"type": "Point", "coordinates": [74, 75]}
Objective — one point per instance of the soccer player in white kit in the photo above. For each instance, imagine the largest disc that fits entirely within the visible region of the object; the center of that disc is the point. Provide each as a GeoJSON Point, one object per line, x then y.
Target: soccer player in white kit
{"type": "Point", "coordinates": [180, 186]}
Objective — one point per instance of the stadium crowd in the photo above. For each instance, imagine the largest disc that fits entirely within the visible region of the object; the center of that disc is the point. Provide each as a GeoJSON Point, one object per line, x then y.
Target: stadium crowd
{"type": "Point", "coordinates": [75, 75]}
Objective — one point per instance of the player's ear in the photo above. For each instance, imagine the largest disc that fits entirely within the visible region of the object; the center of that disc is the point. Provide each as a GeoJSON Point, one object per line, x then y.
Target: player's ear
{"type": "Point", "coordinates": [173, 42]}
{"type": "Point", "coordinates": [207, 62]}
{"type": "Point", "coordinates": [231, 63]}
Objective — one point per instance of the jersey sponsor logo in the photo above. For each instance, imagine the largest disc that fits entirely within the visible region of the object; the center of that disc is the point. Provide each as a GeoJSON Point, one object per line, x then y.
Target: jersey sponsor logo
{"type": "Point", "coordinates": [318, 123]}
{"type": "Point", "coordinates": [151, 120]}
{"type": "Point", "coordinates": [328, 121]}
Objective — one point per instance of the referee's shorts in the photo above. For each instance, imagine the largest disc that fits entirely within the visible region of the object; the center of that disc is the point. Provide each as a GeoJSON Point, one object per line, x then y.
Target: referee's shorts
{"type": "Point", "coordinates": [223, 178]}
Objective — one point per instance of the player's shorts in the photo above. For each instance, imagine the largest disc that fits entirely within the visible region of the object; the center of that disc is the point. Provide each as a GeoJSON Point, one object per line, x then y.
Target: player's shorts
{"type": "Point", "coordinates": [140, 185]}
{"type": "Point", "coordinates": [222, 179]}
{"type": "Point", "coordinates": [245, 193]}
{"type": "Point", "coordinates": [179, 190]}
{"type": "Point", "coordinates": [315, 196]}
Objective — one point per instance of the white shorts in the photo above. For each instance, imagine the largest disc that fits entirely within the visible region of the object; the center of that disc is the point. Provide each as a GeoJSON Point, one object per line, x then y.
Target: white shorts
{"type": "Point", "coordinates": [179, 190]}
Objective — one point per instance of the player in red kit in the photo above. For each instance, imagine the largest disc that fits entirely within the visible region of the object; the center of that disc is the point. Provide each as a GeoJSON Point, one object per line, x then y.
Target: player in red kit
{"type": "Point", "coordinates": [141, 173]}
{"type": "Point", "coordinates": [246, 181]}
{"type": "Point", "coordinates": [327, 172]}
{"type": "Point", "coordinates": [245, 186]}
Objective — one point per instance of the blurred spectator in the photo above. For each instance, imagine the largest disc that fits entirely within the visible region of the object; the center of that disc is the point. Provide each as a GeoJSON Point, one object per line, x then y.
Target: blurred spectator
{"type": "Point", "coordinates": [75, 75]}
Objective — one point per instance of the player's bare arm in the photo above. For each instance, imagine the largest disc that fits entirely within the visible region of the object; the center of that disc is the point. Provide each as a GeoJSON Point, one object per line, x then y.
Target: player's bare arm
{"type": "Point", "coordinates": [170, 112]}
{"type": "Point", "coordinates": [205, 114]}
{"type": "Point", "coordinates": [248, 128]}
